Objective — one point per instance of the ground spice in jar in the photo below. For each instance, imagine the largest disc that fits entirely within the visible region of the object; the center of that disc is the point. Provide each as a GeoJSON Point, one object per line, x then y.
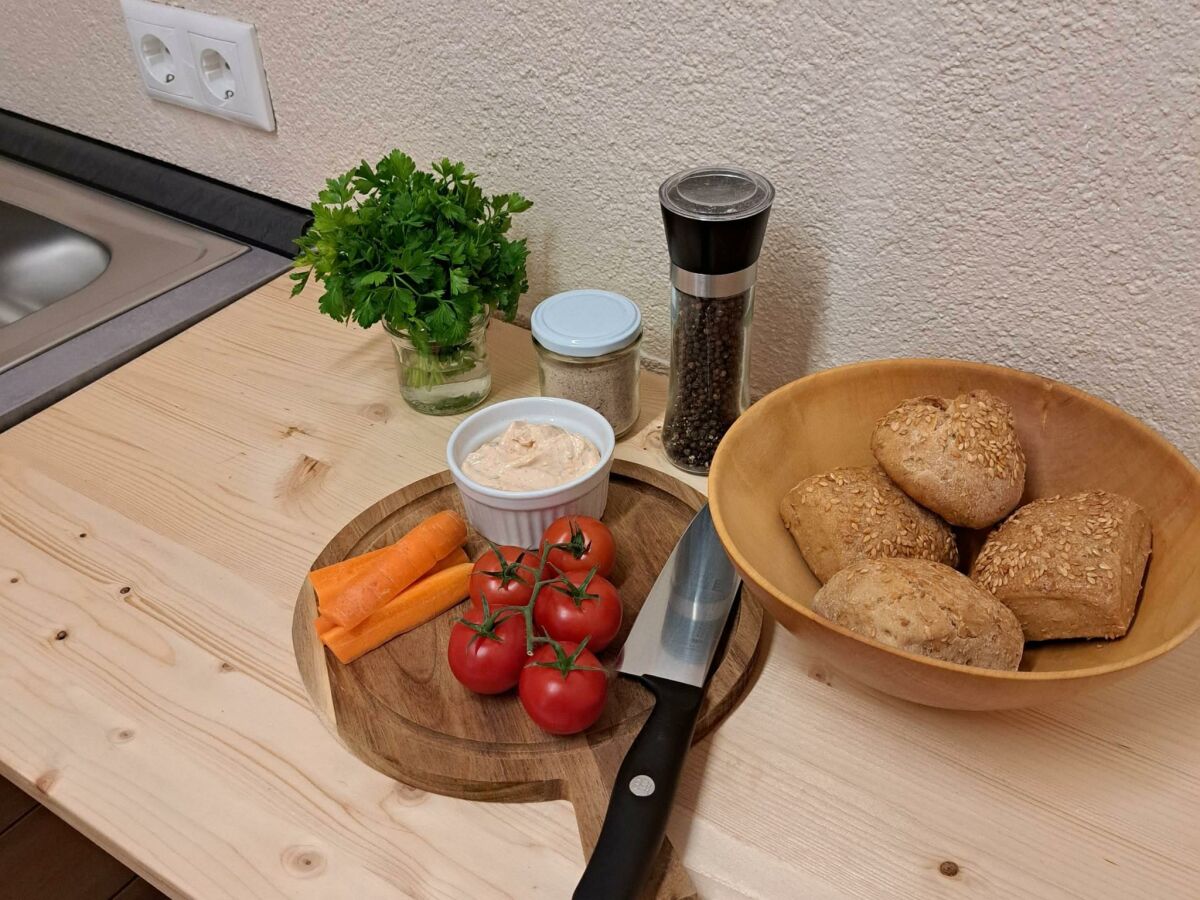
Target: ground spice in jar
{"type": "Point", "coordinates": [707, 351]}
{"type": "Point", "coordinates": [608, 384]}
{"type": "Point", "coordinates": [588, 346]}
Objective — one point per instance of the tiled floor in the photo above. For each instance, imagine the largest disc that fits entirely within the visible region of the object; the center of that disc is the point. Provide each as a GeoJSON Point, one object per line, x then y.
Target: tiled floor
{"type": "Point", "coordinates": [43, 858]}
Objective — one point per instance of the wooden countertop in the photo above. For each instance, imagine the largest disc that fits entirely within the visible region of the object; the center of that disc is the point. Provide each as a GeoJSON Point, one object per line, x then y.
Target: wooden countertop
{"type": "Point", "coordinates": [154, 529]}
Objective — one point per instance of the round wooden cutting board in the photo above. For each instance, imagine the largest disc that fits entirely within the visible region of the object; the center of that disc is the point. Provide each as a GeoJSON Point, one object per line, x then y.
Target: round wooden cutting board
{"type": "Point", "coordinates": [400, 710]}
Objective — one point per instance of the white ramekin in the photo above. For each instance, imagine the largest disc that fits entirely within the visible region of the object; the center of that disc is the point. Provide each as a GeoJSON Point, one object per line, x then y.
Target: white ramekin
{"type": "Point", "coordinates": [520, 517]}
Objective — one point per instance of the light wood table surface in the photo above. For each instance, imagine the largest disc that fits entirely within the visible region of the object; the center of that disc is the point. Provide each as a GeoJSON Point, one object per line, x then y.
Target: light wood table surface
{"type": "Point", "coordinates": [155, 527]}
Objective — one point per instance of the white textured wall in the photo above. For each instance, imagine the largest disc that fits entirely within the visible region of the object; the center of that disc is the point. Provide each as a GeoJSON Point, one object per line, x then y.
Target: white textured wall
{"type": "Point", "coordinates": [1012, 182]}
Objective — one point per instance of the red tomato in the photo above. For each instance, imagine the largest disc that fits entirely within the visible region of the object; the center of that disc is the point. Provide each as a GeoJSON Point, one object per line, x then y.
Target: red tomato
{"type": "Point", "coordinates": [563, 688]}
{"type": "Point", "coordinates": [507, 579]}
{"type": "Point", "coordinates": [580, 543]}
{"type": "Point", "coordinates": [487, 649]}
{"type": "Point", "coordinates": [580, 605]}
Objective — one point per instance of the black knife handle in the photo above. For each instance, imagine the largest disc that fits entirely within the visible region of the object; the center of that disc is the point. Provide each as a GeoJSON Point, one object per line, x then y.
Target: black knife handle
{"type": "Point", "coordinates": [642, 795]}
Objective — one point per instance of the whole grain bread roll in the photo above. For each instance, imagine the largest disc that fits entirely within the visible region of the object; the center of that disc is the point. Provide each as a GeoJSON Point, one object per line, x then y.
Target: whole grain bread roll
{"type": "Point", "coordinates": [851, 514]}
{"type": "Point", "coordinates": [958, 457]}
{"type": "Point", "coordinates": [923, 607]}
{"type": "Point", "coordinates": [1069, 567]}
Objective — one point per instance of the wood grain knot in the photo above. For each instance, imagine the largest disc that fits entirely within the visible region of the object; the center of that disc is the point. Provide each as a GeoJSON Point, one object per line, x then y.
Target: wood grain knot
{"type": "Point", "coordinates": [83, 534]}
{"type": "Point", "coordinates": [407, 795]}
{"type": "Point", "coordinates": [61, 636]}
{"type": "Point", "coordinates": [377, 412]}
{"type": "Point", "coordinates": [305, 475]}
{"type": "Point", "coordinates": [225, 667]}
{"type": "Point", "coordinates": [13, 580]}
{"type": "Point", "coordinates": [46, 781]}
{"type": "Point", "coordinates": [820, 675]}
{"type": "Point", "coordinates": [949, 869]}
{"type": "Point", "coordinates": [303, 862]}
{"type": "Point", "coordinates": [121, 735]}
{"type": "Point", "coordinates": [125, 590]}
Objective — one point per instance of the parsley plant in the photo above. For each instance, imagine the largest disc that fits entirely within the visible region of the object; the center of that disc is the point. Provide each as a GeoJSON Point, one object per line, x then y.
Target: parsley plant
{"type": "Point", "coordinates": [424, 252]}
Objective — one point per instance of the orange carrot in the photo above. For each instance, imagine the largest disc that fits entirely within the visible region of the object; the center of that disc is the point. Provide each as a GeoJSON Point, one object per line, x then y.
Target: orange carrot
{"type": "Point", "coordinates": [329, 580]}
{"type": "Point", "coordinates": [396, 568]}
{"type": "Point", "coordinates": [425, 600]}
{"type": "Point", "coordinates": [456, 557]}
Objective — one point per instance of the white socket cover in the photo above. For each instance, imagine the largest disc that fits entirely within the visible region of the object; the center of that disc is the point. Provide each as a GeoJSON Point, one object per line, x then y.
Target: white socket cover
{"type": "Point", "coordinates": [204, 62]}
{"type": "Point", "coordinates": [159, 64]}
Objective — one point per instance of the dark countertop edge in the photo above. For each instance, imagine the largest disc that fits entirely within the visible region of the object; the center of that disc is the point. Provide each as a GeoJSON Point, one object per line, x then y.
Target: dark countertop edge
{"type": "Point", "coordinates": [237, 213]}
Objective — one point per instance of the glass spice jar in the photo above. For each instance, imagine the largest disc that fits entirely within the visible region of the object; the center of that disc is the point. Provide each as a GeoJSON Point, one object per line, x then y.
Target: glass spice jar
{"type": "Point", "coordinates": [589, 350]}
{"type": "Point", "coordinates": [715, 219]}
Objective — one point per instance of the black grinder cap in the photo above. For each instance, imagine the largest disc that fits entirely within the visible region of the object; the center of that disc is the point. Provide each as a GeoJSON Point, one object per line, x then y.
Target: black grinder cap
{"type": "Point", "coordinates": [715, 218]}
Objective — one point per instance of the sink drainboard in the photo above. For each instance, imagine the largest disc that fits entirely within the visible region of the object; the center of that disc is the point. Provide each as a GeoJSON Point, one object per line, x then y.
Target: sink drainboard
{"type": "Point", "coordinates": [72, 257]}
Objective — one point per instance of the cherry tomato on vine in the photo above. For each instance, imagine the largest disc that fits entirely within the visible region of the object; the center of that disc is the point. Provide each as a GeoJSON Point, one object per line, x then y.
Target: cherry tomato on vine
{"type": "Point", "coordinates": [578, 606]}
{"type": "Point", "coordinates": [563, 688]}
{"type": "Point", "coordinates": [579, 543]}
{"type": "Point", "coordinates": [505, 574]}
{"type": "Point", "coordinates": [487, 648]}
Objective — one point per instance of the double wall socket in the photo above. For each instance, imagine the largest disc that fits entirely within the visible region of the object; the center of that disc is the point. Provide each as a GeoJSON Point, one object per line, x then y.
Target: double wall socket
{"type": "Point", "coordinates": [204, 62]}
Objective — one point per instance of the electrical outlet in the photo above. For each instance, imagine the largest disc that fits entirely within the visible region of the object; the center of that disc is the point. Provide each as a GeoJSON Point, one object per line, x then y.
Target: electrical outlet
{"type": "Point", "coordinates": [204, 62]}
{"type": "Point", "coordinates": [160, 56]}
{"type": "Point", "coordinates": [219, 72]}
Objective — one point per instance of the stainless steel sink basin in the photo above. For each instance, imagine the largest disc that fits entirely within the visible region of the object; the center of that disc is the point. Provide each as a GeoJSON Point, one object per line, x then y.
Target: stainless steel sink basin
{"type": "Point", "coordinates": [72, 257]}
{"type": "Point", "coordinates": [42, 261]}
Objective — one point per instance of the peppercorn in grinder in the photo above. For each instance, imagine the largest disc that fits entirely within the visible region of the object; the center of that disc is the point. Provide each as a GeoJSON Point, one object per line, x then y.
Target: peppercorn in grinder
{"type": "Point", "coordinates": [715, 218]}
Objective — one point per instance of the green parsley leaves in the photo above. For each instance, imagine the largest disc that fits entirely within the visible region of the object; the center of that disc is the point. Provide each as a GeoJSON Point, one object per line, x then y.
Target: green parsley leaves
{"type": "Point", "coordinates": [424, 252]}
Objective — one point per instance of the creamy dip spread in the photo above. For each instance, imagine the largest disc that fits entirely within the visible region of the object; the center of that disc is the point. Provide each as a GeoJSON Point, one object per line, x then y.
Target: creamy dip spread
{"type": "Point", "coordinates": [530, 456]}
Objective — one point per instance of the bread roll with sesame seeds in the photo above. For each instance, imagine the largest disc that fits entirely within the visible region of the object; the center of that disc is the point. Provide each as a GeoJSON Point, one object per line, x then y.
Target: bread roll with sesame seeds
{"type": "Point", "coordinates": [1069, 567]}
{"type": "Point", "coordinates": [850, 514]}
{"type": "Point", "coordinates": [923, 607]}
{"type": "Point", "coordinates": [960, 457]}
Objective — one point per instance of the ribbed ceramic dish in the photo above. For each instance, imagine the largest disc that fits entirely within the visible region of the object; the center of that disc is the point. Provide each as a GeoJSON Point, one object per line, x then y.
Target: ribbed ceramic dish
{"type": "Point", "coordinates": [520, 517]}
{"type": "Point", "coordinates": [1073, 442]}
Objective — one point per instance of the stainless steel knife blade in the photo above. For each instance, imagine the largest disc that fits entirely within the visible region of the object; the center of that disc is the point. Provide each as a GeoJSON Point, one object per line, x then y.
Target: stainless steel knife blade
{"type": "Point", "coordinates": [681, 622]}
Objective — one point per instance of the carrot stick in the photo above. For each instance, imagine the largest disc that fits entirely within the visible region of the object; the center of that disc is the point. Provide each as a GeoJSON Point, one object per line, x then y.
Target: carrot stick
{"type": "Point", "coordinates": [329, 580]}
{"type": "Point", "coordinates": [425, 600]}
{"type": "Point", "coordinates": [396, 568]}
{"type": "Point", "coordinates": [456, 557]}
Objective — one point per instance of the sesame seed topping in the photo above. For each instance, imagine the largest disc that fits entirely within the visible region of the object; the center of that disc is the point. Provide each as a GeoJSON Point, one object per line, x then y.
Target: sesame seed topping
{"type": "Point", "coordinates": [872, 518]}
{"type": "Point", "coordinates": [1091, 531]}
{"type": "Point", "coordinates": [978, 426]}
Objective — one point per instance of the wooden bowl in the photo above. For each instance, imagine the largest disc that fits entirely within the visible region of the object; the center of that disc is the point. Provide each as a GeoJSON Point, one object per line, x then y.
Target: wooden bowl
{"type": "Point", "coordinates": [1073, 442]}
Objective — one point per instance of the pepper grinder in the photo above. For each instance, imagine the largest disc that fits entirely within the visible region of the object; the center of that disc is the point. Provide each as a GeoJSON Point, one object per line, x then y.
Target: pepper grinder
{"type": "Point", "coordinates": [715, 218]}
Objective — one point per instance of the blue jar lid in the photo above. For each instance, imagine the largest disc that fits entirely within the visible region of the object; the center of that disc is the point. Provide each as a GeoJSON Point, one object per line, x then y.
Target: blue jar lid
{"type": "Point", "coordinates": [586, 322]}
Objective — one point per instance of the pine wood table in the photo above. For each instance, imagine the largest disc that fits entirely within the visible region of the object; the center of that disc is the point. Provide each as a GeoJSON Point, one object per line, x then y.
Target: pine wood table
{"type": "Point", "coordinates": [155, 526]}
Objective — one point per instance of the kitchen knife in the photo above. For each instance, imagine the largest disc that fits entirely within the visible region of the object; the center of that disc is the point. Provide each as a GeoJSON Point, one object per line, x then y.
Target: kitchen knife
{"type": "Point", "coordinates": [670, 650]}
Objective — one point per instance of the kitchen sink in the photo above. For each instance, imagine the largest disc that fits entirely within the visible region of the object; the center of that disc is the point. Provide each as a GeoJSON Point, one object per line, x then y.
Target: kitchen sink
{"type": "Point", "coordinates": [42, 261]}
{"type": "Point", "coordinates": [72, 258]}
